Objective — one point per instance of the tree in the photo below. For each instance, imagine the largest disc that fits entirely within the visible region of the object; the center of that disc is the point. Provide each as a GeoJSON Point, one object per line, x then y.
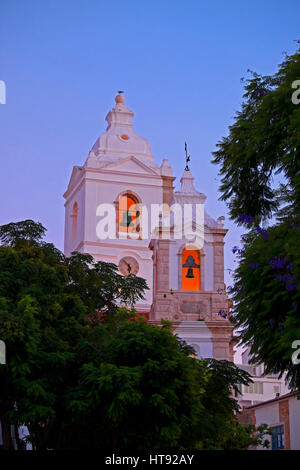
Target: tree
{"type": "Point", "coordinates": [263, 142]}
{"type": "Point", "coordinates": [83, 372]}
{"type": "Point", "coordinates": [47, 304]}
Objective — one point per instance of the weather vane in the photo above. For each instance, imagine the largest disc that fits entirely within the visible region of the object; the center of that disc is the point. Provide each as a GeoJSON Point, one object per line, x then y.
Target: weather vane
{"type": "Point", "coordinates": [187, 158]}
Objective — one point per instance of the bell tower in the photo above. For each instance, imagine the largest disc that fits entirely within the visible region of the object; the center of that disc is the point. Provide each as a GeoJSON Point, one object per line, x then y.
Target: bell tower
{"type": "Point", "coordinates": [108, 214]}
{"type": "Point", "coordinates": [188, 278]}
{"type": "Point", "coordinates": [119, 182]}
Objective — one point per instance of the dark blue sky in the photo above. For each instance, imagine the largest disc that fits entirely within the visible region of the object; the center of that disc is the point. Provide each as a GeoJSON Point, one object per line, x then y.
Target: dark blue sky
{"type": "Point", "coordinates": [180, 63]}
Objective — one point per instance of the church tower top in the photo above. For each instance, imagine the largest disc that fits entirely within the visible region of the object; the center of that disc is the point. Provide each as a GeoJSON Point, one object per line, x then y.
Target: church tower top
{"type": "Point", "coordinates": [120, 139]}
{"type": "Point", "coordinates": [187, 190]}
{"type": "Point", "coordinates": [120, 114]}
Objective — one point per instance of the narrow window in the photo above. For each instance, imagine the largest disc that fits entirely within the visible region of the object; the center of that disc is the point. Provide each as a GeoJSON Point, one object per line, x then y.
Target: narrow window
{"type": "Point", "coordinates": [74, 222]}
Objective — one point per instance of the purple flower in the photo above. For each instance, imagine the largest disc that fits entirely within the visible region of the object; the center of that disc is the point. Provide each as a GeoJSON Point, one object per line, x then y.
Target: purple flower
{"type": "Point", "coordinates": [237, 250]}
{"type": "Point", "coordinates": [254, 265]}
{"type": "Point", "coordinates": [263, 232]}
{"type": "Point", "coordinates": [261, 92]}
{"type": "Point", "coordinates": [222, 313]}
{"type": "Point", "coordinates": [291, 287]}
{"type": "Point", "coordinates": [277, 263]}
{"type": "Point", "coordinates": [246, 218]}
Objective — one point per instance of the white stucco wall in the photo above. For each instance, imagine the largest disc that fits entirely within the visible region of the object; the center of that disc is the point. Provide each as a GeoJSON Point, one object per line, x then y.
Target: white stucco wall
{"type": "Point", "coordinates": [198, 335]}
{"type": "Point", "coordinates": [78, 195]}
{"type": "Point", "coordinates": [295, 423]}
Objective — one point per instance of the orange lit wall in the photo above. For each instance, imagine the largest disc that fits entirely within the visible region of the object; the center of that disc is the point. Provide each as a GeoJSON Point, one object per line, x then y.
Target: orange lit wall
{"type": "Point", "coordinates": [191, 283]}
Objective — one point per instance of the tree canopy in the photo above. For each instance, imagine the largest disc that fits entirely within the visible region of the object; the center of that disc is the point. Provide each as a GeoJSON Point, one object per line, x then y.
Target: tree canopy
{"type": "Point", "coordinates": [83, 372]}
{"type": "Point", "coordinates": [263, 141]}
{"type": "Point", "coordinates": [260, 169]}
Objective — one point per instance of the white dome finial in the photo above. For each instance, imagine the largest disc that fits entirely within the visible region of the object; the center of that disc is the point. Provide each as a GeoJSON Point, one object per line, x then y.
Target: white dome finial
{"type": "Point", "coordinates": [120, 99]}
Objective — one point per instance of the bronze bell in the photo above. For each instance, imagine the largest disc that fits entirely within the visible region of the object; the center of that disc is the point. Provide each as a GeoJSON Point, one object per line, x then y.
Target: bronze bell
{"type": "Point", "coordinates": [127, 220]}
{"type": "Point", "coordinates": [190, 273]}
{"type": "Point", "coordinates": [190, 264]}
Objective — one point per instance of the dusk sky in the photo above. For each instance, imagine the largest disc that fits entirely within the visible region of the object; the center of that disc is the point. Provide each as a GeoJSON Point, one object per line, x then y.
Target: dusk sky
{"type": "Point", "coordinates": [179, 62]}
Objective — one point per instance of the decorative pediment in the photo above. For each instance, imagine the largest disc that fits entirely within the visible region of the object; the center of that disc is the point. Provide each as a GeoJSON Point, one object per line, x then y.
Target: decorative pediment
{"type": "Point", "coordinates": [75, 176]}
{"type": "Point", "coordinates": [131, 165]}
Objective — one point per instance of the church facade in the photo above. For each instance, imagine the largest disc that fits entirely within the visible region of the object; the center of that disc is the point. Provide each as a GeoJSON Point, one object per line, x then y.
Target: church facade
{"type": "Point", "coordinates": [121, 207]}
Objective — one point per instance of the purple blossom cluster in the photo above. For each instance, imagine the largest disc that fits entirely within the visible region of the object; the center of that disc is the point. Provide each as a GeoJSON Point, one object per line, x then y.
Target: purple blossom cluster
{"type": "Point", "coordinates": [288, 279]}
{"type": "Point", "coordinates": [292, 224]}
{"type": "Point", "coordinates": [283, 265]}
{"type": "Point", "coordinates": [254, 265]}
{"type": "Point", "coordinates": [237, 250]}
{"type": "Point", "coordinates": [262, 231]}
{"type": "Point", "coordinates": [246, 219]}
{"type": "Point", "coordinates": [222, 313]}
{"type": "Point", "coordinates": [278, 263]}
{"type": "Point", "coordinates": [260, 92]}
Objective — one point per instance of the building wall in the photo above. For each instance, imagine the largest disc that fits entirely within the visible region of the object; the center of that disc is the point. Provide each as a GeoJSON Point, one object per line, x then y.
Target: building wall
{"type": "Point", "coordinates": [294, 409]}
{"type": "Point", "coordinates": [284, 411]}
{"type": "Point", "coordinates": [97, 187]}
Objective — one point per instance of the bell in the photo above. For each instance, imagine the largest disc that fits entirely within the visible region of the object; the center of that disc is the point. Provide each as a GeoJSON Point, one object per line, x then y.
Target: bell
{"type": "Point", "coordinates": [127, 220]}
{"type": "Point", "coordinates": [190, 263]}
{"type": "Point", "coordinates": [190, 273]}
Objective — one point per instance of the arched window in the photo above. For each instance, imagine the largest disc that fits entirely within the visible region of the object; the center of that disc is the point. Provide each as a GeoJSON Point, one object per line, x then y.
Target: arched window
{"type": "Point", "coordinates": [74, 222]}
{"type": "Point", "coordinates": [129, 214]}
{"type": "Point", "coordinates": [190, 270]}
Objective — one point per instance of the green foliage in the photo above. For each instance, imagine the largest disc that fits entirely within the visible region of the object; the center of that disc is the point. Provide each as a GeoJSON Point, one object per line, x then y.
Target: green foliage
{"type": "Point", "coordinates": [264, 141]}
{"type": "Point", "coordinates": [26, 230]}
{"type": "Point", "coordinates": [84, 373]}
{"type": "Point", "coordinates": [267, 298]}
{"type": "Point", "coordinates": [145, 391]}
{"type": "Point", "coordinates": [47, 303]}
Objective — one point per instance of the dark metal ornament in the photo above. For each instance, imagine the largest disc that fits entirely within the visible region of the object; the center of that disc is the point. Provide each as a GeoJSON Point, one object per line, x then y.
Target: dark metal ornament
{"type": "Point", "coordinates": [190, 273]}
{"type": "Point", "coordinates": [190, 264]}
{"type": "Point", "coordinates": [127, 220]}
{"type": "Point", "coordinates": [187, 158]}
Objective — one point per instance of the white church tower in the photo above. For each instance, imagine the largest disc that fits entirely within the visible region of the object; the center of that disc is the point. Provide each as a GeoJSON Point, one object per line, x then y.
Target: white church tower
{"type": "Point", "coordinates": [108, 207]}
